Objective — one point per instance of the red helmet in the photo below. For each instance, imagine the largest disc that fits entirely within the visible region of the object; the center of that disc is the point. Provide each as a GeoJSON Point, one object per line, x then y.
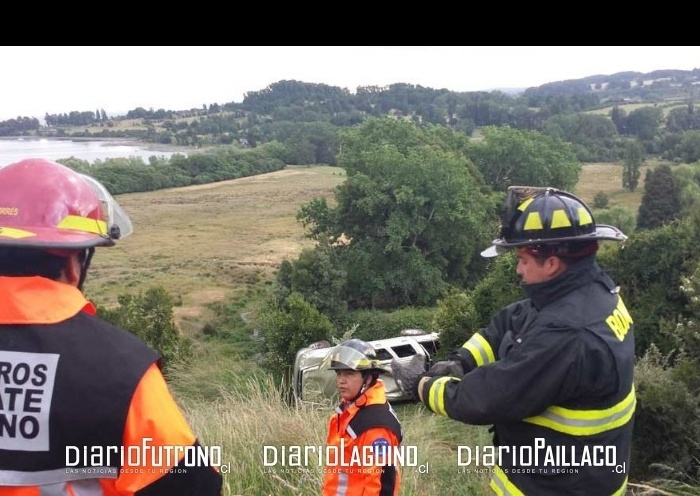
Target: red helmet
{"type": "Point", "coordinates": [44, 204]}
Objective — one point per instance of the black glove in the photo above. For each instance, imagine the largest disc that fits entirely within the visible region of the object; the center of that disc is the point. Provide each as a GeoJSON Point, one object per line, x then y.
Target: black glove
{"type": "Point", "coordinates": [446, 368]}
{"type": "Point", "coordinates": [408, 374]}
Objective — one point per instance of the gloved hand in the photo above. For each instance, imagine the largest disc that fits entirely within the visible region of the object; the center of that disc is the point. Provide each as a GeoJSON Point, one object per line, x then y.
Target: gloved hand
{"type": "Point", "coordinates": [445, 367]}
{"type": "Point", "coordinates": [407, 374]}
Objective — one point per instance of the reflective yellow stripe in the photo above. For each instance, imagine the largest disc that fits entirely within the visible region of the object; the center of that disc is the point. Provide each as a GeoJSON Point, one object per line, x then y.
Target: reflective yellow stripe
{"type": "Point", "coordinates": [586, 422]}
{"type": "Point", "coordinates": [560, 219]}
{"type": "Point", "coordinates": [436, 395]}
{"type": "Point", "coordinates": [533, 221]}
{"type": "Point", "coordinates": [11, 232]}
{"type": "Point", "coordinates": [480, 349]}
{"type": "Point", "coordinates": [622, 489]}
{"type": "Point", "coordinates": [584, 217]}
{"type": "Point", "coordinates": [83, 224]}
{"type": "Point", "coordinates": [501, 485]}
{"type": "Point", "coordinates": [524, 204]}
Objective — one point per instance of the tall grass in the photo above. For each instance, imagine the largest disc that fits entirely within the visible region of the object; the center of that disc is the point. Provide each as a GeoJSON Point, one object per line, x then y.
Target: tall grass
{"type": "Point", "coordinates": [244, 413]}
{"type": "Point", "coordinates": [230, 402]}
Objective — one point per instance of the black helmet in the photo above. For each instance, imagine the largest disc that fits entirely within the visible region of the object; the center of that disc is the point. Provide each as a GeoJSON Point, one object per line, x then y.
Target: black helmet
{"type": "Point", "coordinates": [535, 216]}
{"type": "Point", "coordinates": [353, 354]}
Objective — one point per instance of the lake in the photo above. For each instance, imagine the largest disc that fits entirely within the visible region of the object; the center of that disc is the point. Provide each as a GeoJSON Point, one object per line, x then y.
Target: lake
{"type": "Point", "coordinates": [15, 149]}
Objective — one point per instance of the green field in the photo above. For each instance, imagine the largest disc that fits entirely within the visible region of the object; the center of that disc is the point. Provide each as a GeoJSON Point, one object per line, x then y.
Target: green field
{"type": "Point", "coordinates": [210, 242]}
{"type": "Point", "coordinates": [607, 178]}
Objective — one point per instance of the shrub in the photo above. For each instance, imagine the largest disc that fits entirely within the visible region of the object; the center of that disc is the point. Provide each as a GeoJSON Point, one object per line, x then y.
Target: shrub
{"type": "Point", "coordinates": [667, 423]}
{"type": "Point", "coordinates": [287, 327]}
{"type": "Point", "coordinates": [456, 320]}
{"type": "Point", "coordinates": [150, 316]}
{"type": "Point", "coordinates": [601, 200]}
{"type": "Point", "coordinates": [375, 324]}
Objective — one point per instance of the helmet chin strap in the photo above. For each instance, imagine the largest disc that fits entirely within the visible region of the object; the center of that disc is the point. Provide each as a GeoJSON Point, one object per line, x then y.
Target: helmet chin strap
{"type": "Point", "coordinates": [364, 387]}
{"type": "Point", "coordinates": [86, 265]}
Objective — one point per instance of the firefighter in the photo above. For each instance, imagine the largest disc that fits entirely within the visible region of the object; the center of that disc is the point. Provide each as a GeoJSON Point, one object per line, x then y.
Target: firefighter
{"type": "Point", "coordinates": [552, 373]}
{"type": "Point", "coordinates": [364, 425]}
{"type": "Point", "coordinates": [84, 408]}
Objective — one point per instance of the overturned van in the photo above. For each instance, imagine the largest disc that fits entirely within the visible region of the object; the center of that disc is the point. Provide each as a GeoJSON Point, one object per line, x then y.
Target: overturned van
{"type": "Point", "coordinates": [309, 383]}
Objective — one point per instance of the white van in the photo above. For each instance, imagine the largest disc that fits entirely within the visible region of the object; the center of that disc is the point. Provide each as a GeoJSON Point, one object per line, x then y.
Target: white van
{"type": "Point", "coordinates": [310, 384]}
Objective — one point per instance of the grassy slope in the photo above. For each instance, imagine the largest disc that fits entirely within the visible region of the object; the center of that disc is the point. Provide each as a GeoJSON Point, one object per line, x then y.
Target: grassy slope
{"type": "Point", "coordinates": [208, 243]}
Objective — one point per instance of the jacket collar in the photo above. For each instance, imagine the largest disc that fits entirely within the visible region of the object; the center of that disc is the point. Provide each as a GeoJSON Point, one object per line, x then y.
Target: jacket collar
{"type": "Point", "coordinates": [374, 395]}
{"type": "Point", "coordinates": [38, 300]}
{"type": "Point", "coordinates": [578, 274]}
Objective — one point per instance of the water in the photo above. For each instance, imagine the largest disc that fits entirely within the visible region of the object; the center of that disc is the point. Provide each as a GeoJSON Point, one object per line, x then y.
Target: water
{"type": "Point", "coordinates": [15, 149]}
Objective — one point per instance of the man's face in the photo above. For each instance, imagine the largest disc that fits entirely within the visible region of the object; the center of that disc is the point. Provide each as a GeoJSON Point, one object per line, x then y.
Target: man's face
{"type": "Point", "coordinates": [533, 271]}
{"type": "Point", "coordinates": [349, 383]}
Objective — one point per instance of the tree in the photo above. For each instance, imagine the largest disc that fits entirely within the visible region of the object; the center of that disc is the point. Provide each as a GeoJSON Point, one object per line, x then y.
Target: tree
{"type": "Point", "coordinates": [619, 118]}
{"type": "Point", "coordinates": [689, 147]}
{"type": "Point", "coordinates": [508, 157]}
{"type": "Point", "coordinates": [319, 276]}
{"type": "Point", "coordinates": [410, 218]}
{"type": "Point", "coordinates": [644, 122]}
{"type": "Point", "coordinates": [661, 201]}
{"type": "Point", "coordinates": [689, 182]}
{"type": "Point", "coordinates": [583, 129]}
{"type": "Point", "coordinates": [634, 157]}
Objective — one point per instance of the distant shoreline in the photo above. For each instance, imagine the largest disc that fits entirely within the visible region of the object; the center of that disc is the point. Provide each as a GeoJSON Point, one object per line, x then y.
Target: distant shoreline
{"type": "Point", "coordinates": [112, 141]}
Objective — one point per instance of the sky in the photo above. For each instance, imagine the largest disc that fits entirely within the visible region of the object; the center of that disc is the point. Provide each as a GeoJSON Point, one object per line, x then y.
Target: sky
{"type": "Point", "coordinates": [39, 80]}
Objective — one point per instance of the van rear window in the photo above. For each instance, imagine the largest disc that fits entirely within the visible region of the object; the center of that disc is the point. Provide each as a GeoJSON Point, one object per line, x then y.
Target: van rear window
{"type": "Point", "coordinates": [404, 350]}
{"type": "Point", "coordinates": [383, 354]}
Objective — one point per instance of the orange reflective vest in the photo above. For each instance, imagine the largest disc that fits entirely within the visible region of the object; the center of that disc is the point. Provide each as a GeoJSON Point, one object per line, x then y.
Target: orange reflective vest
{"type": "Point", "coordinates": [366, 430]}
{"type": "Point", "coordinates": [84, 408]}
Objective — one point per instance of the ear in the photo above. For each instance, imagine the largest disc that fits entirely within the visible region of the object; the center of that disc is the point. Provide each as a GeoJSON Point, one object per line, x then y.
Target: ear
{"type": "Point", "coordinates": [72, 270]}
{"type": "Point", "coordinates": [554, 266]}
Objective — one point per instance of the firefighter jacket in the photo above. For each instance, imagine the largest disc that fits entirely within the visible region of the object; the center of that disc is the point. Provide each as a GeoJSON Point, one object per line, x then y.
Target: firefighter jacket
{"type": "Point", "coordinates": [366, 432]}
{"type": "Point", "coordinates": [84, 407]}
{"type": "Point", "coordinates": [554, 375]}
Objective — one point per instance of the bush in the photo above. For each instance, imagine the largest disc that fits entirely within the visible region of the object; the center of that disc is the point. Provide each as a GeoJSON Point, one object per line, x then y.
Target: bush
{"type": "Point", "coordinates": [150, 316]}
{"type": "Point", "coordinates": [666, 425]}
{"type": "Point", "coordinates": [461, 314]}
{"type": "Point", "coordinates": [499, 288]}
{"type": "Point", "coordinates": [288, 327]}
{"type": "Point", "coordinates": [601, 200]}
{"type": "Point", "coordinates": [618, 216]}
{"type": "Point", "coordinates": [374, 324]}
{"type": "Point", "coordinates": [456, 320]}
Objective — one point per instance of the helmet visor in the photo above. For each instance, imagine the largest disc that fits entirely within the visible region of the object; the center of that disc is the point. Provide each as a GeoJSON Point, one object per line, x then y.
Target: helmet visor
{"type": "Point", "coordinates": [118, 222]}
{"type": "Point", "coordinates": [345, 358]}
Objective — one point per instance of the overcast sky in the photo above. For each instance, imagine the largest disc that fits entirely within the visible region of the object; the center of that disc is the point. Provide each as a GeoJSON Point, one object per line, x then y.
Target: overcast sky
{"type": "Point", "coordinates": [39, 80]}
